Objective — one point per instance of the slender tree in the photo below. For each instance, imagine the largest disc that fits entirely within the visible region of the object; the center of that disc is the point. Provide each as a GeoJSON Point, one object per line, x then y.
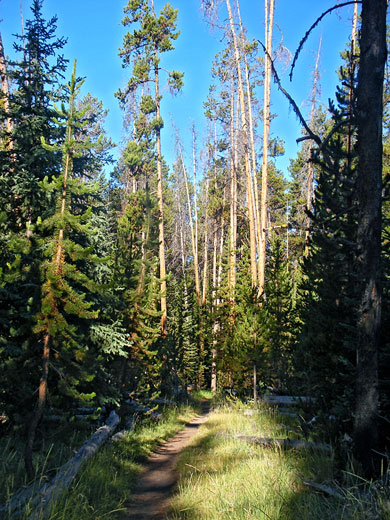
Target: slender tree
{"type": "Point", "coordinates": [269, 22]}
{"type": "Point", "coordinates": [142, 48]}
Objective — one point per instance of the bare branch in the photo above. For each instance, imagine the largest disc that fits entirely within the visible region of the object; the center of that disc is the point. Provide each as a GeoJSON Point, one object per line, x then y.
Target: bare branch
{"type": "Point", "coordinates": [302, 42]}
{"type": "Point", "coordinates": [311, 134]}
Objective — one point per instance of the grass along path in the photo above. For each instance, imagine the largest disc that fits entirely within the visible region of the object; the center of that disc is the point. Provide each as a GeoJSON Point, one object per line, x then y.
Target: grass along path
{"type": "Point", "coordinates": [226, 478]}
{"type": "Point", "coordinates": [106, 482]}
{"type": "Point", "coordinates": [150, 498]}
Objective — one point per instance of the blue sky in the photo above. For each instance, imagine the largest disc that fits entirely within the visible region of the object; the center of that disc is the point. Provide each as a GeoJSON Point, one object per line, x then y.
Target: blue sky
{"type": "Point", "coordinates": [95, 34]}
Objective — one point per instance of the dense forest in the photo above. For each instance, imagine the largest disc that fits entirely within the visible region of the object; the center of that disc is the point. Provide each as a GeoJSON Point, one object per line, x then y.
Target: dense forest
{"type": "Point", "coordinates": [223, 273]}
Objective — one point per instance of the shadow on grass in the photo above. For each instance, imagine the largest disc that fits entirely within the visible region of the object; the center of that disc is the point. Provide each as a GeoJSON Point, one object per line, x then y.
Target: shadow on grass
{"type": "Point", "coordinates": [277, 494]}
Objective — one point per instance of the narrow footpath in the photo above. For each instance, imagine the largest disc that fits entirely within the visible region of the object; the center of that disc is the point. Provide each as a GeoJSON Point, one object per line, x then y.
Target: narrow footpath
{"type": "Point", "coordinates": [157, 480]}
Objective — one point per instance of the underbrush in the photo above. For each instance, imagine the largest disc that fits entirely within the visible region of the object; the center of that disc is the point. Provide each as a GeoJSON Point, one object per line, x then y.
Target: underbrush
{"type": "Point", "coordinates": [222, 477]}
{"type": "Point", "coordinates": [105, 482]}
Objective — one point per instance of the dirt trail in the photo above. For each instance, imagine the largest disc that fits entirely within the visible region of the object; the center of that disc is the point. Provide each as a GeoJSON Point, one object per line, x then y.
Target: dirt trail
{"type": "Point", "coordinates": [156, 481]}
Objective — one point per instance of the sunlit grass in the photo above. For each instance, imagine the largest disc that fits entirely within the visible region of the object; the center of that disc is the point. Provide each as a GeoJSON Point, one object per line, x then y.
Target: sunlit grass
{"type": "Point", "coordinates": [225, 478]}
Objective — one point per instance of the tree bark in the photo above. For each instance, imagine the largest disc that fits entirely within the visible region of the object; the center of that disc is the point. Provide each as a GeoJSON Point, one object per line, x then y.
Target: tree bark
{"type": "Point", "coordinates": [161, 238]}
{"type": "Point", "coordinates": [5, 90]}
{"type": "Point", "coordinates": [369, 194]}
{"type": "Point", "coordinates": [269, 20]}
{"type": "Point", "coordinates": [251, 215]}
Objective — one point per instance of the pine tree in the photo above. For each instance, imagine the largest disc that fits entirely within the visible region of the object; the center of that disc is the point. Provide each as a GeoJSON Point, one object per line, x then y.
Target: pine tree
{"type": "Point", "coordinates": [141, 50]}
{"type": "Point", "coordinates": [63, 280]}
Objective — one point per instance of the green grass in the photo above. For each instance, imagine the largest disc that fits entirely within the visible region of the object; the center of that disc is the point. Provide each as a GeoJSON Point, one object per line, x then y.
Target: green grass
{"type": "Point", "coordinates": [105, 483]}
{"type": "Point", "coordinates": [224, 478]}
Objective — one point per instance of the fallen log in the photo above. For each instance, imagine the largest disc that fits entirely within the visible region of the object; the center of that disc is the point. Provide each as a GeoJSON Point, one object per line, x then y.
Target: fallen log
{"type": "Point", "coordinates": [286, 400]}
{"type": "Point", "coordinates": [51, 491]}
{"type": "Point", "coordinates": [286, 444]}
{"type": "Point", "coordinates": [130, 425]}
{"type": "Point", "coordinates": [41, 497]}
{"type": "Point", "coordinates": [327, 490]}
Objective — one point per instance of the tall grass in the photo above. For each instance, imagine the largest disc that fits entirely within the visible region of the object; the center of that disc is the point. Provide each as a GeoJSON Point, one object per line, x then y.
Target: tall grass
{"type": "Point", "coordinates": [106, 481]}
{"type": "Point", "coordinates": [226, 478]}
{"type": "Point", "coordinates": [54, 450]}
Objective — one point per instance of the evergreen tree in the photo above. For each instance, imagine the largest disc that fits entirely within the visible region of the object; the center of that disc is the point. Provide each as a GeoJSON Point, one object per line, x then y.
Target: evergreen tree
{"type": "Point", "coordinates": [64, 306]}
{"type": "Point", "coordinates": [328, 293]}
{"type": "Point", "coordinates": [142, 49]}
{"type": "Point", "coordinates": [34, 86]}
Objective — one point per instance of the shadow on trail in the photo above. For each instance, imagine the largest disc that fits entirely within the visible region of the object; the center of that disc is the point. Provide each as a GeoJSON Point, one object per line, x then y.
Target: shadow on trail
{"type": "Point", "coordinates": [156, 481]}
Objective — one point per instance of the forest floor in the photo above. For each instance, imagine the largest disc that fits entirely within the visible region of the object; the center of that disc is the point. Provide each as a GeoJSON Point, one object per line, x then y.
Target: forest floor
{"type": "Point", "coordinates": [151, 496]}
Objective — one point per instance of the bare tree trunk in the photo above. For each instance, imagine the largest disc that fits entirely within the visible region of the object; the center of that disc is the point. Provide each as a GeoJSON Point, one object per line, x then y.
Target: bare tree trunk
{"type": "Point", "coordinates": [352, 69]}
{"type": "Point", "coordinates": [22, 26]}
{"type": "Point", "coordinates": [251, 215]}
{"type": "Point", "coordinates": [216, 323]}
{"type": "Point", "coordinates": [369, 194]}
{"type": "Point", "coordinates": [309, 192]}
{"type": "Point", "coordinates": [40, 406]}
{"type": "Point", "coordinates": [5, 90]}
{"type": "Point", "coordinates": [269, 20]}
{"type": "Point", "coordinates": [206, 247]}
{"type": "Point", "coordinates": [196, 257]}
{"type": "Point", "coordinates": [161, 238]}
{"type": "Point", "coordinates": [252, 140]}
{"type": "Point", "coordinates": [254, 383]}
{"type": "Point", "coordinates": [233, 202]}
{"type": "Point", "coordinates": [192, 227]}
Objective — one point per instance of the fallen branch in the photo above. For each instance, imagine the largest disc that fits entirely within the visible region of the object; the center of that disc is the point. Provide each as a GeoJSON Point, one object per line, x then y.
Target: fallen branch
{"type": "Point", "coordinates": [286, 444]}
